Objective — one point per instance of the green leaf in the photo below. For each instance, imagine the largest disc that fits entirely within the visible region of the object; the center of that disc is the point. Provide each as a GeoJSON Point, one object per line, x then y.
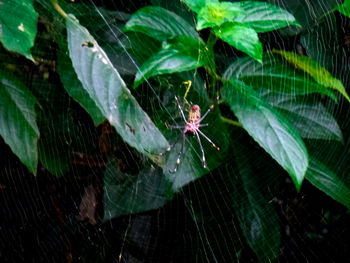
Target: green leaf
{"type": "Point", "coordinates": [268, 128]}
{"type": "Point", "coordinates": [159, 23]}
{"type": "Point", "coordinates": [127, 194]}
{"type": "Point", "coordinates": [17, 124]}
{"type": "Point", "coordinates": [74, 87]}
{"type": "Point", "coordinates": [310, 119]}
{"type": "Point", "coordinates": [178, 55]}
{"type": "Point", "coordinates": [217, 13]}
{"type": "Point", "coordinates": [241, 37]}
{"type": "Point", "coordinates": [320, 74]}
{"type": "Point", "coordinates": [327, 181]}
{"type": "Point", "coordinates": [18, 21]}
{"type": "Point", "coordinates": [264, 17]}
{"type": "Point", "coordinates": [344, 8]}
{"type": "Point", "coordinates": [257, 217]}
{"type": "Point", "coordinates": [197, 5]}
{"type": "Point", "coordinates": [109, 92]}
{"type": "Point", "coordinates": [275, 75]}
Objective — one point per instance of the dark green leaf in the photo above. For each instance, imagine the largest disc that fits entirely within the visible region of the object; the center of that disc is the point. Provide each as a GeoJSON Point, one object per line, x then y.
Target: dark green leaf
{"type": "Point", "coordinates": [109, 92]}
{"type": "Point", "coordinates": [241, 37]}
{"type": "Point", "coordinates": [320, 74]}
{"type": "Point", "coordinates": [159, 23]}
{"type": "Point", "coordinates": [311, 119]}
{"type": "Point", "coordinates": [126, 194]}
{"type": "Point", "coordinates": [74, 87]}
{"type": "Point", "coordinates": [264, 17]}
{"type": "Point", "coordinates": [180, 54]}
{"type": "Point", "coordinates": [217, 13]}
{"type": "Point", "coordinates": [256, 215]}
{"type": "Point", "coordinates": [18, 25]}
{"type": "Point", "coordinates": [327, 181]}
{"type": "Point", "coordinates": [268, 128]}
{"type": "Point", "coordinates": [275, 75]}
{"type": "Point", "coordinates": [17, 124]}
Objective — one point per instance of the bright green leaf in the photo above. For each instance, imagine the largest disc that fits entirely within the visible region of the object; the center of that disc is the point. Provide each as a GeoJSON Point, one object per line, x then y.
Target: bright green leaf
{"type": "Point", "coordinates": [18, 21]}
{"type": "Point", "coordinates": [344, 8]}
{"type": "Point", "coordinates": [264, 17]}
{"type": "Point", "coordinates": [18, 124]}
{"type": "Point", "coordinates": [327, 181]}
{"type": "Point", "coordinates": [274, 75]}
{"type": "Point", "coordinates": [217, 13]}
{"type": "Point", "coordinates": [180, 54]}
{"type": "Point", "coordinates": [196, 5]}
{"type": "Point", "coordinates": [320, 74]}
{"type": "Point", "coordinates": [159, 23]}
{"type": "Point", "coordinates": [126, 194]}
{"type": "Point", "coordinates": [268, 128]}
{"type": "Point", "coordinates": [241, 37]}
{"type": "Point", "coordinates": [109, 92]}
{"type": "Point", "coordinates": [310, 119]}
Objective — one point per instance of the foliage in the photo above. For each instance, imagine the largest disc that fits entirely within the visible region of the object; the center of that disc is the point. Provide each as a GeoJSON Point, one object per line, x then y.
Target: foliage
{"type": "Point", "coordinates": [282, 99]}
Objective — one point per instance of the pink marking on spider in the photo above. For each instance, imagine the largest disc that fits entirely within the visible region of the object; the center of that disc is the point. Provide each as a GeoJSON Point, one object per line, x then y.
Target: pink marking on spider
{"type": "Point", "coordinates": [194, 119]}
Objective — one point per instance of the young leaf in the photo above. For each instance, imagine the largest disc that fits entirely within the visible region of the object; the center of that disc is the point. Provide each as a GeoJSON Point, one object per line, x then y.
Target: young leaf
{"type": "Point", "coordinates": [241, 37]}
{"type": "Point", "coordinates": [18, 21]}
{"type": "Point", "coordinates": [18, 126]}
{"type": "Point", "coordinates": [196, 5]}
{"type": "Point", "coordinates": [344, 8]}
{"type": "Point", "coordinates": [268, 128]}
{"type": "Point", "coordinates": [320, 74]}
{"type": "Point", "coordinates": [126, 194]}
{"type": "Point", "coordinates": [310, 119]}
{"type": "Point", "coordinates": [217, 13]}
{"type": "Point", "coordinates": [324, 179]}
{"type": "Point", "coordinates": [109, 92]}
{"type": "Point", "coordinates": [159, 23]}
{"type": "Point", "coordinates": [264, 17]}
{"type": "Point", "coordinates": [274, 75]}
{"type": "Point", "coordinates": [180, 54]}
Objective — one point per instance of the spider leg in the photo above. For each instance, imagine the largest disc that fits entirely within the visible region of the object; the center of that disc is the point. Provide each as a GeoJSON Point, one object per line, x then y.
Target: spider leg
{"type": "Point", "coordinates": [182, 113]}
{"type": "Point", "coordinates": [170, 147]}
{"type": "Point", "coordinates": [176, 127]}
{"type": "Point", "coordinates": [203, 125]}
{"type": "Point", "coordinates": [178, 161]}
{"type": "Point", "coordinates": [209, 110]}
{"type": "Point", "coordinates": [201, 147]}
{"type": "Point", "coordinates": [206, 137]}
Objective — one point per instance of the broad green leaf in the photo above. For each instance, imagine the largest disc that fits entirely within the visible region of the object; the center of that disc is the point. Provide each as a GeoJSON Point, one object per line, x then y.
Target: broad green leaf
{"type": "Point", "coordinates": [159, 23]}
{"type": "Point", "coordinates": [217, 13]}
{"type": "Point", "coordinates": [327, 181]}
{"type": "Point", "coordinates": [18, 124]}
{"type": "Point", "coordinates": [241, 37]}
{"type": "Point", "coordinates": [264, 17]}
{"type": "Point", "coordinates": [18, 21]}
{"type": "Point", "coordinates": [109, 92]}
{"type": "Point", "coordinates": [275, 75]}
{"type": "Point", "coordinates": [310, 119]}
{"type": "Point", "coordinates": [268, 128]}
{"type": "Point", "coordinates": [74, 87]}
{"type": "Point", "coordinates": [197, 5]}
{"type": "Point", "coordinates": [127, 194]}
{"type": "Point", "coordinates": [257, 217]}
{"type": "Point", "coordinates": [178, 55]}
{"type": "Point", "coordinates": [320, 74]}
{"type": "Point", "coordinates": [344, 8]}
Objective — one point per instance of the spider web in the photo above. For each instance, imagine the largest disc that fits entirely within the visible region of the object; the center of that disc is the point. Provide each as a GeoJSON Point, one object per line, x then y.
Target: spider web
{"type": "Point", "coordinates": [244, 209]}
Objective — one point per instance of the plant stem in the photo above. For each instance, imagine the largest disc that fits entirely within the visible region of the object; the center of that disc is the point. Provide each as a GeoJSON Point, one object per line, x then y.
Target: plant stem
{"type": "Point", "coordinates": [58, 8]}
{"type": "Point", "coordinates": [231, 122]}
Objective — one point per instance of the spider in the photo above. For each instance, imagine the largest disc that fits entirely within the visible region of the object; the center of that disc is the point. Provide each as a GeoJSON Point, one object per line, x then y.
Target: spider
{"type": "Point", "coordinates": [191, 129]}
